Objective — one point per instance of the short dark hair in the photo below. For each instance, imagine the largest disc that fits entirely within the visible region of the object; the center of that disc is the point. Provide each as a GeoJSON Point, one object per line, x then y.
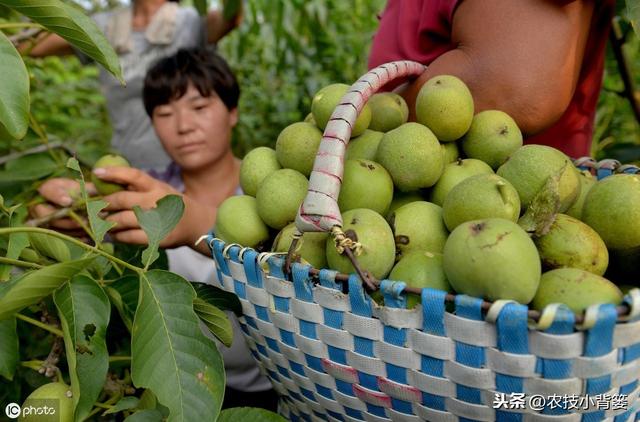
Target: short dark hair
{"type": "Point", "coordinates": [169, 78]}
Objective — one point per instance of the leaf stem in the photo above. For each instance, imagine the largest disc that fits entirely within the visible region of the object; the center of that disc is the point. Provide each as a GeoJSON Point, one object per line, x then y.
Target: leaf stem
{"type": "Point", "coordinates": [119, 358]}
{"type": "Point", "coordinates": [18, 263]}
{"type": "Point", "coordinates": [37, 128]}
{"type": "Point", "coordinates": [12, 25]}
{"type": "Point", "coordinates": [39, 324]}
{"type": "Point", "coordinates": [99, 406]}
{"type": "Point", "coordinates": [75, 217]}
{"type": "Point", "coordinates": [62, 212]}
{"type": "Point", "coordinates": [9, 230]}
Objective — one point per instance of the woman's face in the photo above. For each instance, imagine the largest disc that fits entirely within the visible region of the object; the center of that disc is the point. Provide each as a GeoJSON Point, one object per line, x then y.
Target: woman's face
{"type": "Point", "coordinates": [195, 130]}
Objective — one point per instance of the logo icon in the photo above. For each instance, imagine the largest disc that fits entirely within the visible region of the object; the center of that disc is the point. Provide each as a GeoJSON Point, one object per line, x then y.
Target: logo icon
{"type": "Point", "coordinates": [12, 410]}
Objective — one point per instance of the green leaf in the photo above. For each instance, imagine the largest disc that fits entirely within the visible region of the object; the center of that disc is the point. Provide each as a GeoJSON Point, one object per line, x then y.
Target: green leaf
{"type": "Point", "coordinates": [132, 254]}
{"type": "Point", "coordinates": [217, 297]}
{"type": "Point", "coordinates": [147, 415]}
{"type": "Point", "coordinates": [50, 246]}
{"type": "Point", "coordinates": [28, 168]}
{"type": "Point", "coordinates": [157, 223]}
{"type": "Point", "coordinates": [124, 296]}
{"type": "Point", "coordinates": [633, 14]}
{"type": "Point", "coordinates": [252, 414]}
{"type": "Point", "coordinates": [14, 91]}
{"type": "Point", "coordinates": [72, 25]}
{"type": "Point", "coordinates": [148, 400]}
{"type": "Point", "coordinates": [99, 227]}
{"type": "Point", "coordinates": [17, 243]}
{"type": "Point", "coordinates": [84, 315]}
{"type": "Point", "coordinates": [230, 9]}
{"type": "Point", "coordinates": [9, 348]}
{"type": "Point", "coordinates": [541, 214]}
{"type": "Point", "coordinates": [72, 163]}
{"type": "Point", "coordinates": [170, 354]}
{"type": "Point", "coordinates": [215, 320]}
{"type": "Point", "coordinates": [33, 286]}
{"type": "Point", "coordinates": [124, 403]}
{"type": "Point", "coordinates": [201, 6]}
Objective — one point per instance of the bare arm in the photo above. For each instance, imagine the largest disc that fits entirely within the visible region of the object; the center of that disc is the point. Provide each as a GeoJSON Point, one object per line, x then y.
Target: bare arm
{"type": "Point", "coordinates": [519, 56]}
{"type": "Point", "coordinates": [218, 27]}
{"type": "Point", "coordinates": [47, 44]}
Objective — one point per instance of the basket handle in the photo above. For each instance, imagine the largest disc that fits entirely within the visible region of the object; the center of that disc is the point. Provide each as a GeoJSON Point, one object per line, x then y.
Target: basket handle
{"type": "Point", "coordinates": [319, 210]}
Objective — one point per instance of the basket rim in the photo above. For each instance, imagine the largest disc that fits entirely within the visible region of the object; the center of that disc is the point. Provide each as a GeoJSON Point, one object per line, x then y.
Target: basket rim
{"type": "Point", "coordinates": [627, 311]}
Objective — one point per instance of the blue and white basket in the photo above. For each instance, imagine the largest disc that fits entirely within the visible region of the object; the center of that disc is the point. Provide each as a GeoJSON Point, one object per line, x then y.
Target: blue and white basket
{"type": "Point", "coordinates": [340, 357]}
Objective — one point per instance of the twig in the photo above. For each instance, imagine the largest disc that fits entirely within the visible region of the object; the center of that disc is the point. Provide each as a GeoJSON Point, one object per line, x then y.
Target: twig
{"type": "Point", "coordinates": [50, 364]}
{"type": "Point", "coordinates": [25, 35]}
{"type": "Point", "coordinates": [37, 222]}
{"type": "Point", "coordinates": [46, 327]}
{"type": "Point", "coordinates": [75, 217]}
{"type": "Point", "coordinates": [23, 229]}
{"type": "Point", "coordinates": [18, 263]}
{"type": "Point", "coordinates": [34, 150]}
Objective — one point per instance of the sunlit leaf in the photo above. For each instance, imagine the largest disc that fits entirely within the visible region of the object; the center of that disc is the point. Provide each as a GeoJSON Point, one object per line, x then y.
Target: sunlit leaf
{"type": "Point", "coordinates": [157, 223]}
{"type": "Point", "coordinates": [50, 246]}
{"type": "Point", "coordinates": [14, 92]}
{"type": "Point", "coordinates": [72, 25]}
{"type": "Point", "coordinates": [170, 354]}
{"type": "Point", "coordinates": [99, 226]}
{"type": "Point", "coordinates": [33, 286]}
{"type": "Point", "coordinates": [84, 315]}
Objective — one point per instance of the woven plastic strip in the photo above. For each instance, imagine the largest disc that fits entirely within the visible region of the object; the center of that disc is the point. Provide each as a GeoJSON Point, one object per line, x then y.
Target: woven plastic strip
{"type": "Point", "coordinates": [319, 211]}
{"type": "Point", "coordinates": [605, 167]}
{"type": "Point", "coordinates": [341, 357]}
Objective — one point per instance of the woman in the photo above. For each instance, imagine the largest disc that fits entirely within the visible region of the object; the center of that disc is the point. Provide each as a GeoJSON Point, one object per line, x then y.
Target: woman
{"type": "Point", "coordinates": [191, 98]}
{"type": "Point", "coordinates": [141, 34]}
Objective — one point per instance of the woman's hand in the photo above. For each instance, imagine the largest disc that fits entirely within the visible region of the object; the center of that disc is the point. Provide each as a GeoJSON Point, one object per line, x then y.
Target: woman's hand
{"type": "Point", "coordinates": [60, 193]}
{"type": "Point", "coordinates": [144, 191]}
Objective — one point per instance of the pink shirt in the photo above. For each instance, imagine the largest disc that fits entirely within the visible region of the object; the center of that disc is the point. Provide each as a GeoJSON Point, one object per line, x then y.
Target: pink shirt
{"type": "Point", "coordinates": [420, 30]}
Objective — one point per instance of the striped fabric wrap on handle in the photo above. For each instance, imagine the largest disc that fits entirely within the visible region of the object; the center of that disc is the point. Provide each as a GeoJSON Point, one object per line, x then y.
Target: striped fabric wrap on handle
{"type": "Point", "coordinates": [319, 211]}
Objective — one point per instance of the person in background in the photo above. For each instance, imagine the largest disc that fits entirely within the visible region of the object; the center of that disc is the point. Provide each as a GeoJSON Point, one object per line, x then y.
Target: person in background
{"type": "Point", "coordinates": [540, 61]}
{"type": "Point", "coordinates": [191, 99]}
{"type": "Point", "coordinates": [141, 34]}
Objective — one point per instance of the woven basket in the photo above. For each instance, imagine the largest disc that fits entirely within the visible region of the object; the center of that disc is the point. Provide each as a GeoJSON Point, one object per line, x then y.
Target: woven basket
{"type": "Point", "coordinates": [339, 356]}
